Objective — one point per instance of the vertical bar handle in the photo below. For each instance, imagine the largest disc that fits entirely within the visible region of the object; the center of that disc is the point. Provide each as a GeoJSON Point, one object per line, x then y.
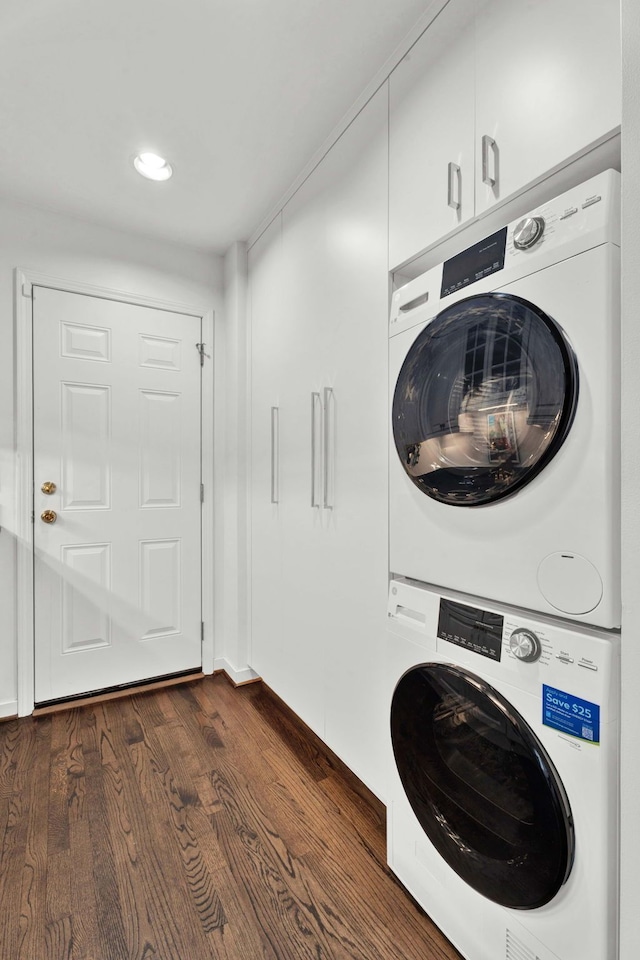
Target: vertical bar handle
{"type": "Point", "coordinates": [275, 457]}
{"type": "Point", "coordinates": [488, 144]}
{"type": "Point", "coordinates": [315, 400]}
{"type": "Point", "coordinates": [328, 458]}
{"type": "Point", "coordinates": [453, 173]}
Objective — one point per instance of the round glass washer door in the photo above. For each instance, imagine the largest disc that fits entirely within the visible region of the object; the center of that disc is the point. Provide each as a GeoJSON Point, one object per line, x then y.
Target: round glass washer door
{"type": "Point", "coordinates": [482, 786]}
{"type": "Point", "coordinates": [485, 398]}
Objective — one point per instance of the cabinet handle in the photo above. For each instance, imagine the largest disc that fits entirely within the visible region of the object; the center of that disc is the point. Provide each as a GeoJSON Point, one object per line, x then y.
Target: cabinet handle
{"type": "Point", "coordinates": [328, 460]}
{"type": "Point", "coordinates": [489, 144]}
{"type": "Point", "coordinates": [453, 173]}
{"type": "Point", "coordinates": [275, 445]}
{"type": "Point", "coordinates": [315, 400]}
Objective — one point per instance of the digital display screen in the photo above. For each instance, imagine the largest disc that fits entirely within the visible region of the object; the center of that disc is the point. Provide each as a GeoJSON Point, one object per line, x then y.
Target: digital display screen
{"type": "Point", "coordinates": [473, 264]}
{"type": "Point", "coordinates": [472, 628]}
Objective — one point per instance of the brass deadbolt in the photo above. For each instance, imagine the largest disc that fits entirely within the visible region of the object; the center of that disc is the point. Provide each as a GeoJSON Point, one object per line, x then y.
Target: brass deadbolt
{"type": "Point", "coordinates": [48, 487]}
{"type": "Point", "coordinates": [49, 516]}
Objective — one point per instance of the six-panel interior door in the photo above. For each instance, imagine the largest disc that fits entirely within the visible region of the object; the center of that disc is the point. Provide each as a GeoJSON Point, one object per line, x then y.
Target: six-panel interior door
{"type": "Point", "coordinates": [117, 542]}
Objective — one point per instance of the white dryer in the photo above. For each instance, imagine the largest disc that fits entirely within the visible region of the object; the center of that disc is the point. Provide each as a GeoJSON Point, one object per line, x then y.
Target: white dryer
{"type": "Point", "coordinates": [503, 776]}
{"type": "Point", "coordinates": [505, 384]}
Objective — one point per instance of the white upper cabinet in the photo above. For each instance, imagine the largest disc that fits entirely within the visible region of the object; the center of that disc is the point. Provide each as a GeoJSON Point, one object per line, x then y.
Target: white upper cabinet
{"type": "Point", "coordinates": [431, 134]}
{"type": "Point", "coordinates": [548, 84]}
{"type": "Point", "coordinates": [494, 95]}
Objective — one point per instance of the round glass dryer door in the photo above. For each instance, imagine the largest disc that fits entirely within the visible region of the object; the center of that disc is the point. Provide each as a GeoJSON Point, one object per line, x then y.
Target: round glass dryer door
{"type": "Point", "coordinates": [481, 786]}
{"type": "Point", "coordinates": [484, 399]}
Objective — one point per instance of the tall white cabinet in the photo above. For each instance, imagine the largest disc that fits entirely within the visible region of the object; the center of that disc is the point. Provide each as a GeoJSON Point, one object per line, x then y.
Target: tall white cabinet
{"type": "Point", "coordinates": [319, 299]}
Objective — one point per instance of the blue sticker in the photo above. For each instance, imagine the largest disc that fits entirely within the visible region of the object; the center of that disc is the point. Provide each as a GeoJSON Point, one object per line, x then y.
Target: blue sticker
{"type": "Point", "coordinates": [563, 711]}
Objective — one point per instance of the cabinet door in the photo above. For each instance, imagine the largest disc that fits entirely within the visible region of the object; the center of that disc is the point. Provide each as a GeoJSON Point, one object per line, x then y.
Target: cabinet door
{"type": "Point", "coordinates": [267, 352]}
{"type": "Point", "coordinates": [306, 317]}
{"type": "Point", "coordinates": [548, 85]}
{"type": "Point", "coordinates": [431, 126]}
{"type": "Point", "coordinates": [352, 600]}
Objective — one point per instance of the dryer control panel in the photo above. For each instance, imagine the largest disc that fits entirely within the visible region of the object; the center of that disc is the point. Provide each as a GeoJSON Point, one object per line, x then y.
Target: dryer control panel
{"type": "Point", "coordinates": [577, 220]}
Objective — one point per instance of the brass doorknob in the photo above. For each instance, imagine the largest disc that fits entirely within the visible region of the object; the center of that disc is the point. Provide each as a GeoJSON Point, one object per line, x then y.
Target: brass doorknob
{"type": "Point", "coordinates": [49, 516]}
{"type": "Point", "coordinates": [48, 487]}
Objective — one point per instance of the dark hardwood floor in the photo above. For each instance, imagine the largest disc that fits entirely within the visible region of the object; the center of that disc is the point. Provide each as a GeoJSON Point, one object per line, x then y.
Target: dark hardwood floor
{"type": "Point", "coordinates": [196, 822]}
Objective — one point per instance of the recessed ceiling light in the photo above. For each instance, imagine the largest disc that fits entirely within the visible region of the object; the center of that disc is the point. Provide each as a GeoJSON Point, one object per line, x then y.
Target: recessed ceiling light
{"type": "Point", "coordinates": [153, 167]}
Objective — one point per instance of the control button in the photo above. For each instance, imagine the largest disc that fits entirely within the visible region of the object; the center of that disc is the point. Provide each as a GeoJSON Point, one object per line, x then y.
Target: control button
{"type": "Point", "coordinates": [587, 666]}
{"type": "Point", "coordinates": [525, 645]}
{"type": "Point", "coordinates": [564, 659]}
{"type": "Point", "coordinates": [589, 202]}
{"type": "Point", "coordinates": [569, 212]}
{"type": "Point", "coordinates": [527, 232]}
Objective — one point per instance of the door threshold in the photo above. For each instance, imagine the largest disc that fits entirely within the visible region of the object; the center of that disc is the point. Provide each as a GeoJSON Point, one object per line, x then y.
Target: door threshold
{"type": "Point", "coordinates": [113, 693]}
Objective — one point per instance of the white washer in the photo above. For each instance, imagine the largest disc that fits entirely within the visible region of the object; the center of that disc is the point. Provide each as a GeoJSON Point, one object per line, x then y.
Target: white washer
{"type": "Point", "coordinates": [503, 776]}
{"type": "Point", "coordinates": [505, 442]}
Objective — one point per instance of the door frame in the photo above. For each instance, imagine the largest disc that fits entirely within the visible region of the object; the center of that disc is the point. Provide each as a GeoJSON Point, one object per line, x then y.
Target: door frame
{"type": "Point", "coordinates": [24, 282]}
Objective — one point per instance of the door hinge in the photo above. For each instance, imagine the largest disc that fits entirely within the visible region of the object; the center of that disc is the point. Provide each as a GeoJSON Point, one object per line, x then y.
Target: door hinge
{"type": "Point", "coordinates": [202, 493]}
{"type": "Point", "coordinates": [200, 348]}
{"type": "Point", "coordinates": [27, 290]}
{"type": "Point", "coordinates": [33, 516]}
{"type": "Point", "coordinates": [201, 632]}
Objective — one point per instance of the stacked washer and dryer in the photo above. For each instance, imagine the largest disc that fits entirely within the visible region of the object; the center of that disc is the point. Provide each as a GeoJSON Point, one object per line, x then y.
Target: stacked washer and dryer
{"type": "Point", "coordinates": [504, 602]}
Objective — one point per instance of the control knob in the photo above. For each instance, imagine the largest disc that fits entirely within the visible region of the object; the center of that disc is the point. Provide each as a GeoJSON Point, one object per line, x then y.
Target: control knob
{"type": "Point", "coordinates": [527, 232]}
{"type": "Point", "coordinates": [525, 645]}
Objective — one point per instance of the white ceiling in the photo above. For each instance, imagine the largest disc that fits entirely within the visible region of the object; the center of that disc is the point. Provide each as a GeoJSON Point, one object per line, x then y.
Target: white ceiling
{"type": "Point", "coordinates": [237, 94]}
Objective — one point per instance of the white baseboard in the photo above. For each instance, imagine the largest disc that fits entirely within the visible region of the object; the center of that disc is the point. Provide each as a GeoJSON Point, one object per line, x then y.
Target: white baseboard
{"type": "Point", "coordinates": [9, 708]}
{"type": "Point", "coordinates": [244, 675]}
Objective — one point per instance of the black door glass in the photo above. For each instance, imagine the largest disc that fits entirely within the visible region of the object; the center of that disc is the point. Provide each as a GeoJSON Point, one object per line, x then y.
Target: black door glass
{"type": "Point", "coordinates": [484, 399]}
{"type": "Point", "coordinates": [481, 786]}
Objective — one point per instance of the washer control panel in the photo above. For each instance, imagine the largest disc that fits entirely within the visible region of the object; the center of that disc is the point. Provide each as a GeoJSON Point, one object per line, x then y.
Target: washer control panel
{"type": "Point", "coordinates": [526, 651]}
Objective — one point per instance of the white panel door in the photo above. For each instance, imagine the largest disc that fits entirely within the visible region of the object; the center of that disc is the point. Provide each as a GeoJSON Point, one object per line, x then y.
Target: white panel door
{"type": "Point", "coordinates": [117, 430]}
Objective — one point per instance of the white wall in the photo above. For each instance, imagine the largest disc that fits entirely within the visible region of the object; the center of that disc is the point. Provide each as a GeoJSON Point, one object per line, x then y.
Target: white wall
{"type": "Point", "coordinates": [48, 243]}
{"type": "Point", "coordinates": [232, 535]}
{"type": "Point", "coordinates": [630, 835]}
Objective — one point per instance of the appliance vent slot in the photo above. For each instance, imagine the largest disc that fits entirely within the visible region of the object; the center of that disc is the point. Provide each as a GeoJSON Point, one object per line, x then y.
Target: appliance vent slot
{"type": "Point", "coordinates": [516, 950]}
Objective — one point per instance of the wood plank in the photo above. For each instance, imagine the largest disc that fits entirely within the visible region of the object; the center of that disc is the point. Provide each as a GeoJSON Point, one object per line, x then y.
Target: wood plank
{"type": "Point", "coordinates": [58, 932]}
{"type": "Point", "coordinates": [17, 742]}
{"type": "Point", "coordinates": [83, 893]}
{"type": "Point", "coordinates": [111, 917]}
{"type": "Point", "coordinates": [12, 857]}
{"type": "Point", "coordinates": [11, 744]}
{"type": "Point", "coordinates": [33, 882]}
